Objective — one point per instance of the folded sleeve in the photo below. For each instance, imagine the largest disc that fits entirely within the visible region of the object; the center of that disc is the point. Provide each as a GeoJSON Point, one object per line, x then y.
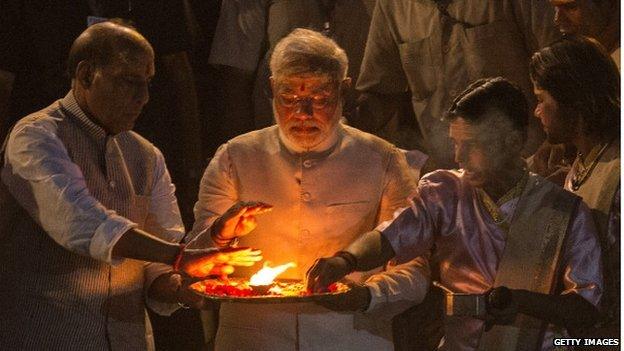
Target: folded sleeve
{"type": "Point", "coordinates": [399, 287]}
{"type": "Point", "coordinates": [41, 176]}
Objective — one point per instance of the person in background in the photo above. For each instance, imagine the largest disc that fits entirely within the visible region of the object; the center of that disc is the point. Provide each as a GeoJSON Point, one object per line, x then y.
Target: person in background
{"type": "Point", "coordinates": [433, 49]}
{"type": "Point", "coordinates": [599, 19]}
{"type": "Point", "coordinates": [581, 106]}
{"type": "Point", "coordinates": [246, 35]}
{"type": "Point", "coordinates": [496, 230]}
{"type": "Point", "coordinates": [90, 223]}
{"type": "Point", "coordinates": [327, 182]}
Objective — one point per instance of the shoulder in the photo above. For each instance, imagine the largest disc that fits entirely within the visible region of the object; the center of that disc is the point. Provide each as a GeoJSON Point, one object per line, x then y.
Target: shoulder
{"type": "Point", "coordinates": [443, 185]}
{"type": "Point", "coordinates": [40, 126]}
{"type": "Point", "coordinates": [443, 177]}
{"type": "Point", "coordinates": [354, 137]}
{"type": "Point", "coordinates": [47, 118]}
{"type": "Point", "coordinates": [263, 140]}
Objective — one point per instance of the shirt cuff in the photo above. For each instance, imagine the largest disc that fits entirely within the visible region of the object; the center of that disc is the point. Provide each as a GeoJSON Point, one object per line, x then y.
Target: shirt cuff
{"type": "Point", "coordinates": [106, 236]}
{"type": "Point", "coordinates": [377, 297]}
{"type": "Point", "coordinates": [389, 299]}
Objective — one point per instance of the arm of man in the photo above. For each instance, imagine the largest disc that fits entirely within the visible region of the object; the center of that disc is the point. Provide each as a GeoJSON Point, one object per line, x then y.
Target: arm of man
{"type": "Point", "coordinates": [407, 236]}
{"type": "Point", "coordinates": [581, 279]}
{"type": "Point", "coordinates": [400, 286]}
{"type": "Point", "coordinates": [382, 82]}
{"type": "Point", "coordinates": [404, 285]}
{"type": "Point", "coordinates": [43, 179]}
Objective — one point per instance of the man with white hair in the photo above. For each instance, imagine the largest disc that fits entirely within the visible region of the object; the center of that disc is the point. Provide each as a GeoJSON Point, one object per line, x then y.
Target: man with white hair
{"type": "Point", "coordinates": [326, 182]}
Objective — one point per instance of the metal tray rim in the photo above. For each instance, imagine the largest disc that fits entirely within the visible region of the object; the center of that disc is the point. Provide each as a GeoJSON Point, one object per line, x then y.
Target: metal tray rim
{"type": "Point", "coordinates": [270, 299]}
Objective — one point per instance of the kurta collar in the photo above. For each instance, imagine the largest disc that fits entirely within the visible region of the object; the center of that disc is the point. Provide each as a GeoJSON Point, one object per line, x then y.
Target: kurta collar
{"type": "Point", "coordinates": [70, 105]}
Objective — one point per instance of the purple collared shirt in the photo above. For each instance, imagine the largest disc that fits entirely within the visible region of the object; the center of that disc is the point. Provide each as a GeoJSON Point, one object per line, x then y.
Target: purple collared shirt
{"type": "Point", "coordinates": [469, 245]}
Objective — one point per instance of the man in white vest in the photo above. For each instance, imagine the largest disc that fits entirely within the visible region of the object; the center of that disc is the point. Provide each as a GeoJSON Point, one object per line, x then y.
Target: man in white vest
{"type": "Point", "coordinates": [327, 183]}
{"type": "Point", "coordinates": [496, 231]}
{"type": "Point", "coordinates": [89, 223]}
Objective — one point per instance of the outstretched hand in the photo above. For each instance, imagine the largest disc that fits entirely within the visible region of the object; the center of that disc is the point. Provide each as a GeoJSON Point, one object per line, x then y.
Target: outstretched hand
{"type": "Point", "coordinates": [239, 220]}
{"type": "Point", "coordinates": [200, 263]}
{"type": "Point", "coordinates": [326, 271]}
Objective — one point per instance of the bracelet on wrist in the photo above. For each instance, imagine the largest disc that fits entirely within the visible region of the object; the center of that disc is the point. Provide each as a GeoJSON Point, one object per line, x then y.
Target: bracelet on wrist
{"type": "Point", "coordinates": [221, 242]}
{"type": "Point", "coordinates": [350, 258]}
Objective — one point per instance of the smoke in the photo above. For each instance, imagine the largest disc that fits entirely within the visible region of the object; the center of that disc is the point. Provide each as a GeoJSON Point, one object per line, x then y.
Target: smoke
{"type": "Point", "coordinates": [498, 137]}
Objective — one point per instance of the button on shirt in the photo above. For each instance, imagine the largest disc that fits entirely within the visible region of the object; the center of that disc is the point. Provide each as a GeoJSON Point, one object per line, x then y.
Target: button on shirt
{"type": "Point", "coordinates": [322, 201]}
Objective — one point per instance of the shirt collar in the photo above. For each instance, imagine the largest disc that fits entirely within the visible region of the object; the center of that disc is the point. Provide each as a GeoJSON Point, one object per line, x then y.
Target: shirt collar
{"type": "Point", "coordinates": [73, 110]}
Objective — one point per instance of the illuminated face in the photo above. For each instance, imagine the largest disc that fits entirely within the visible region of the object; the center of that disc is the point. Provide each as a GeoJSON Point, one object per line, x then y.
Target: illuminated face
{"type": "Point", "coordinates": [547, 110]}
{"type": "Point", "coordinates": [477, 153]}
{"type": "Point", "coordinates": [568, 15]}
{"type": "Point", "coordinates": [307, 108]}
{"type": "Point", "coordinates": [118, 91]}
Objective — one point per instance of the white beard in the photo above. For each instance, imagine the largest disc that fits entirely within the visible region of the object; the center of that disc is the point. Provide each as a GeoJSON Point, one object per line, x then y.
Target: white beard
{"type": "Point", "coordinates": [322, 142]}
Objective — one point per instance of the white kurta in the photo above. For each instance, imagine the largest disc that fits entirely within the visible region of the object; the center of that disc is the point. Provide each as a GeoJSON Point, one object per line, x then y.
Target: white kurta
{"type": "Point", "coordinates": [322, 202]}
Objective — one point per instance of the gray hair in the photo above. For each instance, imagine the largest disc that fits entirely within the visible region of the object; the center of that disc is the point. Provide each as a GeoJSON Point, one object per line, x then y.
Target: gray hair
{"type": "Point", "coordinates": [306, 51]}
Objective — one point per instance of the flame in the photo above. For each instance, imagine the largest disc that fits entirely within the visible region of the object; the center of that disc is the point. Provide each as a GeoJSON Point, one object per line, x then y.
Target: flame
{"type": "Point", "coordinates": [267, 274]}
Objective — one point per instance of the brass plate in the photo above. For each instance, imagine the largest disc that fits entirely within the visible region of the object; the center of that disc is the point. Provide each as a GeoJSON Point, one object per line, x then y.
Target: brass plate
{"type": "Point", "coordinates": [269, 299]}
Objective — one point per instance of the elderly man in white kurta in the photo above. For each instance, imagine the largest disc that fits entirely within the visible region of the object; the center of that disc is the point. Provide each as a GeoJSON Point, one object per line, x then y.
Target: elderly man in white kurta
{"type": "Point", "coordinates": [326, 182]}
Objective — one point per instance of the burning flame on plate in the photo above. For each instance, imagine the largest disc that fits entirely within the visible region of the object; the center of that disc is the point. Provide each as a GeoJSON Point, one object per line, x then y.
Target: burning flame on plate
{"type": "Point", "coordinates": [267, 274]}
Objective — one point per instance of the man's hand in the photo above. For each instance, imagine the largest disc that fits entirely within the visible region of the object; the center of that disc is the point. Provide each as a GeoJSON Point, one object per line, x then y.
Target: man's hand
{"type": "Point", "coordinates": [501, 307]}
{"type": "Point", "coordinates": [326, 271]}
{"type": "Point", "coordinates": [203, 262]}
{"type": "Point", "coordinates": [356, 299]}
{"type": "Point", "coordinates": [238, 220]}
{"type": "Point", "coordinates": [186, 296]}
{"type": "Point", "coordinates": [172, 287]}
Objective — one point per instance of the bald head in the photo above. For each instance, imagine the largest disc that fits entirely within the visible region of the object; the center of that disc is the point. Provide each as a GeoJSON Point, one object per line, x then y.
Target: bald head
{"type": "Point", "coordinates": [105, 43]}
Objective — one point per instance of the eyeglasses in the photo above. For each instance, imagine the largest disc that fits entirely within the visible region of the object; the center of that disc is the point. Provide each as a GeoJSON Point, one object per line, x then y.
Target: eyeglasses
{"type": "Point", "coordinates": [317, 102]}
